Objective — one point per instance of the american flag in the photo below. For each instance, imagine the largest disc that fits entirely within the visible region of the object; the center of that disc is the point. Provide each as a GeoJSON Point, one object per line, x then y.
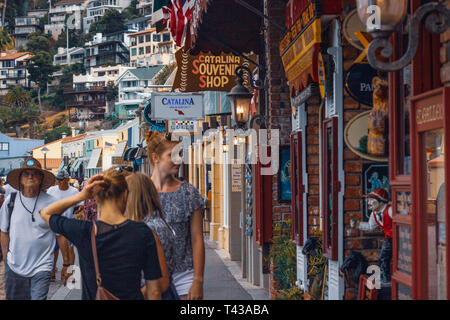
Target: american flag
{"type": "Point", "coordinates": [177, 14]}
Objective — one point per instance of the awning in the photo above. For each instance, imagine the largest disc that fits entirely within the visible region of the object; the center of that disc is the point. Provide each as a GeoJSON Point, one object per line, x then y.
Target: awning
{"type": "Point", "coordinates": [72, 167]}
{"type": "Point", "coordinates": [119, 149]}
{"type": "Point", "coordinates": [216, 24]}
{"type": "Point", "coordinates": [93, 160]}
{"type": "Point", "coordinates": [61, 165]}
{"type": "Point", "coordinates": [300, 57]}
{"type": "Point", "coordinates": [77, 164]}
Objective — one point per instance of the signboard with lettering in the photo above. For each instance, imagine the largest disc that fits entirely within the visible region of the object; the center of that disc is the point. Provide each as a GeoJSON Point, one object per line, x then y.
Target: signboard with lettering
{"type": "Point", "coordinates": [358, 83]}
{"type": "Point", "coordinates": [404, 243]}
{"type": "Point", "coordinates": [296, 8]}
{"type": "Point", "coordinates": [236, 178]}
{"type": "Point", "coordinates": [185, 125]}
{"type": "Point", "coordinates": [207, 72]}
{"type": "Point", "coordinates": [300, 57]}
{"type": "Point", "coordinates": [177, 106]}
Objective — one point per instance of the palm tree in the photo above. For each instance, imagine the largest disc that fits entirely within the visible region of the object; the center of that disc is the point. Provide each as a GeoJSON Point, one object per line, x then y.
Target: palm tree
{"type": "Point", "coordinates": [17, 97]}
{"type": "Point", "coordinates": [4, 13]}
{"type": "Point", "coordinates": [6, 42]}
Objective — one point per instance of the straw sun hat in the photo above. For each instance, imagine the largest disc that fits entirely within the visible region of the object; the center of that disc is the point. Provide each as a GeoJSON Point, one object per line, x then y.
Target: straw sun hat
{"type": "Point", "coordinates": [30, 164]}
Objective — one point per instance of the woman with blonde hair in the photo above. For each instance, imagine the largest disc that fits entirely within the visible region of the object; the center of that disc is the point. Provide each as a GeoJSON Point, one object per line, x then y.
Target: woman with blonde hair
{"type": "Point", "coordinates": [183, 206]}
{"type": "Point", "coordinates": [125, 248]}
{"type": "Point", "coordinates": [143, 205]}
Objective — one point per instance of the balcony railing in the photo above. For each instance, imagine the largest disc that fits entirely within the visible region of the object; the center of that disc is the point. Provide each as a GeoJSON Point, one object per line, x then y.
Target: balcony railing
{"type": "Point", "coordinates": [87, 104]}
{"type": "Point", "coordinates": [85, 89]}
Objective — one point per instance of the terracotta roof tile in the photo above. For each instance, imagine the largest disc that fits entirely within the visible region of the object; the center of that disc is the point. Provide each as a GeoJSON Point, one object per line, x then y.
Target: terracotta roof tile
{"type": "Point", "coordinates": [14, 55]}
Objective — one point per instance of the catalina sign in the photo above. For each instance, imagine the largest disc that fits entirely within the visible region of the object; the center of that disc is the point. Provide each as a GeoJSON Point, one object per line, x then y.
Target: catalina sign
{"type": "Point", "coordinates": [177, 106]}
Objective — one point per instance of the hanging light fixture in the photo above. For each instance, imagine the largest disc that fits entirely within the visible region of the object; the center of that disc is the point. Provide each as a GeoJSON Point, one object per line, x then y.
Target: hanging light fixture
{"type": "Point", "coordinates": [240, 99]}
{"type": "Point", "coordinates": [381, 17]}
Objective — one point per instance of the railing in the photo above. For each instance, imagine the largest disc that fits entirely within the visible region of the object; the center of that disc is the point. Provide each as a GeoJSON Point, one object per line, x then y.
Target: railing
{"type": "Point", "coordinates": [85, 89]}
{"type": "Point", "coordinates": [88, 103]}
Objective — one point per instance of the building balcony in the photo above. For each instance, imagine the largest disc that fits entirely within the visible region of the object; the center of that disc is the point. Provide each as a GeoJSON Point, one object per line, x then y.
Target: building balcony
{"type": "Point", "coordinates": [85, 89]}
{"type": "Point", "coordinates": [87, 104]}
{"type": "Point", "coordinates": [13, 76]}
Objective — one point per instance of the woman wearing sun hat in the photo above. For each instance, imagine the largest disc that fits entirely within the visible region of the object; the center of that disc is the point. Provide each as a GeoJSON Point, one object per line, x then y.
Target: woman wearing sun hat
{"type": "Point", "coordinates": [27, 241]}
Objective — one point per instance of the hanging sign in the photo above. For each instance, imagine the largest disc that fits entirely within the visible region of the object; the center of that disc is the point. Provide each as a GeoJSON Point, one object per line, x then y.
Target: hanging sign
{"type": "Point", "coordinates": [300, 58]}
{"type": "Point", "coordinates": [155, 125]}
{"type": "Point", "coordinates": [177, 106]}
{"type": "Point", "coordinates": [236, 178]}
{"type": "Point", "coordinates": [207, 72]}
{"type": "Point", "coordinates": [351, 26]}
{"type": "Point", "coordinates": [186, 125]}
{"type": "Point", "coordinates": [358, 83]}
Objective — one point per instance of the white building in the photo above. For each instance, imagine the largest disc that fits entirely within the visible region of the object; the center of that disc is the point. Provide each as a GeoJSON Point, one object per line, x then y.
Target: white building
{"type": "Point", "coordinates": [57, 16]}
{"type": "Point", "coordinates": [75, 55]}
{"type": "Point", "coordinates": [13, 70]}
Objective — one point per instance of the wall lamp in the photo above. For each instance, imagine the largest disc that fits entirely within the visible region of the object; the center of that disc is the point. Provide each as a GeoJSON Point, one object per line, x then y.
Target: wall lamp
{"type": "Point", "coordinates": [381, 17]}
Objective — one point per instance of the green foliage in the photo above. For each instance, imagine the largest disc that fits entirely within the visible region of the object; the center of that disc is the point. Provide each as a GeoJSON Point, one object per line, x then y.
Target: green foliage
{"type": "Point", "coordinates": [165, 73]}
{"type": "Point", "coordinates": [6, 41]}
{"type": "Point", "coordinates": [112, 21]}
{"type": "Point", "coordinates": [283, 256]}
{"type": "Point", "coordinates": [14, 8]}
{"type": "Point", "coordinates": [294, 293]}
{"type": "Point", "coordinates": [316, 268]}
{"type": "Point", "coordinates": [56, 133]}
{"type": "Point", "coordinates": [112, 91]}
{"type": "Point", "coordinates": [17, 97]}
{"type": "Point", "coordinates": [131, 12]}
{"type": "Point", "coordinates": [38, 42]}
{"type": "Point", "coordinates": [41, 69]}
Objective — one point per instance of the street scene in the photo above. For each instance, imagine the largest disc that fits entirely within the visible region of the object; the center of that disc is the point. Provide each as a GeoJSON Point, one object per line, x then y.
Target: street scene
{"type": "Point", "coordinates": [224, 150]}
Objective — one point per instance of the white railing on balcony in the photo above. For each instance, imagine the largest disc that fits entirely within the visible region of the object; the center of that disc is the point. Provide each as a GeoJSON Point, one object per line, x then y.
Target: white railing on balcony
{"type": "Point", "coordinates": [68, 9]}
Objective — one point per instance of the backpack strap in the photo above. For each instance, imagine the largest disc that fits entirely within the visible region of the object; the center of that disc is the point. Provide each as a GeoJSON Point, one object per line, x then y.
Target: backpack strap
{"type": "Point", "coordinates": [95, 256]}
{"type": "Point", "coordinates": [11, 207]}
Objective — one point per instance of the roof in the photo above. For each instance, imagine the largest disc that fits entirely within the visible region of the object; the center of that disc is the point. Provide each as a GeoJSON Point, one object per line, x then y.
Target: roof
{"type": "Point", "coordinates": [143, 32]}
{"type": "Point", "coordinates": [71, 139]}
{"type": "Point", "coordinates": [146, 72]}
{"type": "Point", "coordinates": [47, 144]}
{"type": "Point", "coordinates": [14, 55]}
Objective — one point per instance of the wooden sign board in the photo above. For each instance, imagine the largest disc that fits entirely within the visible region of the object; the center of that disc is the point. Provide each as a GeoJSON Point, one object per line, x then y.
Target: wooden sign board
{"type": "Point", "coordinates": [207, 72]}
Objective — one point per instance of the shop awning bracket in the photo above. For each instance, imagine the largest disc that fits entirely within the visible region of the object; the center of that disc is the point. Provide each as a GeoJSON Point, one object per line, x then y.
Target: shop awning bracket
{"type": "Point", "coordinates": [259, 13]}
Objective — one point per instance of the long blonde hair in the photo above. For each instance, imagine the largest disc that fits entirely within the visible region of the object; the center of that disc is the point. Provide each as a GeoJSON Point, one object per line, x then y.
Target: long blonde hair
{"type": "Point", "coordinates": [143, 199]}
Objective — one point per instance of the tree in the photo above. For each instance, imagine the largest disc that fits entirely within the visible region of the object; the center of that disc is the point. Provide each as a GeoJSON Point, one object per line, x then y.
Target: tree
{"type": "Point", "coordinates": [112, 92]}
{"type": "Point", "coordinates": [40, 71]}
{"type": "Point", "coordinates": [112, 21]}
{"type": "Point", "coordinates": [5, 5]}
{"type": "Point", "coordinates": [131, 12]}
{"type": "Point", "coordinates": [6, 42]}
{"type": "Point", "coordinates": [38, 42]}
{"type": "Point", "coordinates": [19, 109]}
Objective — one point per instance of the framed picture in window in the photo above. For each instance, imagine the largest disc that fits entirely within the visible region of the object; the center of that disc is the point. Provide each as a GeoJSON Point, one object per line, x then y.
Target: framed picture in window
{"type": "Point", "coordinates": [284, 175]}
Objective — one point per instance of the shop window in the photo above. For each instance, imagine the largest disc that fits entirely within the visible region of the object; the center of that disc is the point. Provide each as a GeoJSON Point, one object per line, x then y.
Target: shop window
{"type": "Point", "coordinates": [297, 187]}
{"type": "Point", "coordinates": [330, 185]}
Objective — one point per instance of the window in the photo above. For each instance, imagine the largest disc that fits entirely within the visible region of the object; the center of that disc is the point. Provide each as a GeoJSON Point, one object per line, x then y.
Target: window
{"type": "Point", "coordinates": [4, 146]}
{"type": "Point", "coordinates": [141, 50]}
{"type": "Point", "coordinates": [148, 49]}
{"type": "Point", "coordinates": [166, 37]}
{"type": "Point", "coordinates": [330, 185]}
{"type": "Point", "coordinates": [156, 38]}
{"type": "Point", "coordinates": [133, 41]}
{"type": "Point", "coordinates": [141, 39]}
{"type": "Point", "coordinates": [101, 74]}
{"type": "Point", "coordinates": [147, 38]}
{"type": "Point", "coordinates": [133, 52]}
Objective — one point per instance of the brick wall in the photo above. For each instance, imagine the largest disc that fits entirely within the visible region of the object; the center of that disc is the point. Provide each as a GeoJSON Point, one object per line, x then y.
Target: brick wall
{"type": "Point", "coordinates": [279, 110]}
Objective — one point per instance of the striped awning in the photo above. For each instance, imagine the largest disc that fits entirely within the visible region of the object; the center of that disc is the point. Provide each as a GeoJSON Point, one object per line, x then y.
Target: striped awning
{"type": "Point", "coordinates": [75, 165]}
{"type": "Point", "coordinates": [93, 160]}
{"type": "Point", "coordinates": [120, 149]}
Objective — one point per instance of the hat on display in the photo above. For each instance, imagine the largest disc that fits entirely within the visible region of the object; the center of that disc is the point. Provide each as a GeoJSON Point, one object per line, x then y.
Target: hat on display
{"type": "Point", "coordinates": [30, 164]}
{"type": "Point", "coordinates": [62, 174]}
{"type": "Point", "coordinates": [379, 194]}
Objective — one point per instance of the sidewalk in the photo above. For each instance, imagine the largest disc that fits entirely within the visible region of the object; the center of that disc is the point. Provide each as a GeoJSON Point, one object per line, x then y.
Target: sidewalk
{"type": "Point", "coordinates": [222, 281]}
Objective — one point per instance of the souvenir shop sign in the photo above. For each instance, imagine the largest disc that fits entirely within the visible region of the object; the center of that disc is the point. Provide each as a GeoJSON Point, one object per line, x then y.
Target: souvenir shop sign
{"type": "Point", "coordinates": [177, 106]}
{"type": "Point", "coordinates": [300, 57]}
{"type": "Point", "coordinates": [358, 83]}
{"type": "Point", "coordinates": [207, 72]}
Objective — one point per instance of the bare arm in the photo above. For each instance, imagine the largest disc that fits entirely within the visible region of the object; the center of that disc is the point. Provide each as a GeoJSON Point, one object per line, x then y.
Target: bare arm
{"type": "Point", "coordinates": [368, 226]}
{"type": "Point", "coordinates": [4, 239]}
{"type": "Point", "coordinates": [198, 248]}
{"type": "Point", "coordinates": [164, 280]}
{"type": "Point", "coordinates": [153, 291]}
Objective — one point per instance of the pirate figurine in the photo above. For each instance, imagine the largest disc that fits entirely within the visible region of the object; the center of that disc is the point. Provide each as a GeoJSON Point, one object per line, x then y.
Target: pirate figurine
{"type": "Point", "coordinates": [381, 215]}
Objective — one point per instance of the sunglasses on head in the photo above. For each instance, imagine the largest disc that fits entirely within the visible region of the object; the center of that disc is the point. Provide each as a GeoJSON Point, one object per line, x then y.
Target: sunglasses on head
{"type": "Point", "coordinates": [122, 168]}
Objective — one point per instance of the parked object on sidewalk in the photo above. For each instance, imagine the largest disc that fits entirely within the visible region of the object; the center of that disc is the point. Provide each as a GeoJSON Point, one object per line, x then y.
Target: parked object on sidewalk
{"type": "Point", "coordinates": [183, 206]}
{"type": "Point", "coordinates": [120, 264]}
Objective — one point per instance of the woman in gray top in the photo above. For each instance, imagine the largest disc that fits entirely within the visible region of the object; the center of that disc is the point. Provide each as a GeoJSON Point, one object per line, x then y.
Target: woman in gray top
{"type": "Point", "coordinates": [183, 206]}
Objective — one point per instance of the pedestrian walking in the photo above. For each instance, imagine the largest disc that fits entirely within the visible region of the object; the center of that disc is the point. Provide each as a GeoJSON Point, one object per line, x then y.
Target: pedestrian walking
{"type": "Point", "coordinates": [125, 248]}
{"type": "Point", "coordinates": [63, 190]}
{"type": "Point", "coordinates": [27, 241]}
{"type": "Point", "coordinates": [183, 206]}
{"type": "Point", "coordinates": [143, 205]}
